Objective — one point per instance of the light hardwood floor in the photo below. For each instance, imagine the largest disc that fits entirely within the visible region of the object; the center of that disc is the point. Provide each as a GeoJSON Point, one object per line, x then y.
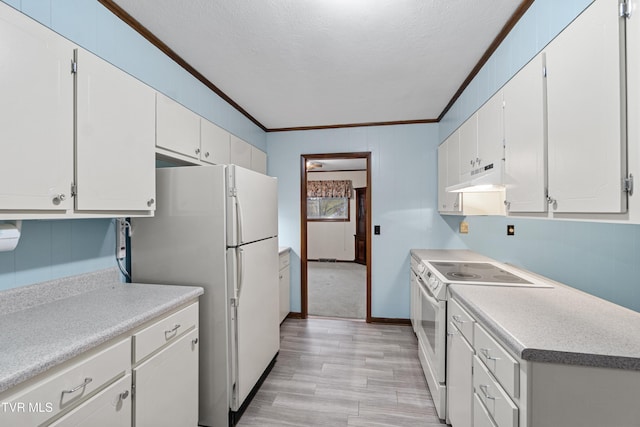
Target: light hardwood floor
{"type": "Point", "coordinates": [344, 373]}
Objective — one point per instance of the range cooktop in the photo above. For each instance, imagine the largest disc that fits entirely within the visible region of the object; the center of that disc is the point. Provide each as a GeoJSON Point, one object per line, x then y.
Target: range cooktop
{"type": "Point", "coordinates": [476, 272]}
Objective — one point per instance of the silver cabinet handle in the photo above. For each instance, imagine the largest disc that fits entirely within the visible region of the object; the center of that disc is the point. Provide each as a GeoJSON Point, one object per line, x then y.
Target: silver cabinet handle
{"type": "Point", "coordinates": [206, 154]}
{"type": "Point", "coordinates": [197, 151]}
{"type": "Point", "coordinates": [76, 388]}
{"type": "Point", "coordinates": [486, 353]}
{"type": "Point", "coordinates": [124, 395]}
{"type": "Point", "coordinates": [58, 198]}
{"type": "Point", "coordinates": [485, 391]}
{"type": "Point", "coordinates": [171, 331]}
{"type": "Point", "coordinates": [150, 202]}
{"type": "Point", "coordinates": [458, 319]}
{"type": "Point", "coordinates": [194, 341]}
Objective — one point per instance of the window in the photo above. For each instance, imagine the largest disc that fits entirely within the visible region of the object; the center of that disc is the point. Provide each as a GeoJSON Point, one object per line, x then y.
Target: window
{"type": "Point", "coordinates": [328, 209]}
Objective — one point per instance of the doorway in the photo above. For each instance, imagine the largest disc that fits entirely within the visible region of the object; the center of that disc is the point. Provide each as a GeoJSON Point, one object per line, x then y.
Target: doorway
{"type": "Point", "coordinates": [311, 209]}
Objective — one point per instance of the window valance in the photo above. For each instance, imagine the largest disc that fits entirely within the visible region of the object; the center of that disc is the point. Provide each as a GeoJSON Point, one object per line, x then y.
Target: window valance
{"type": "Point", "coordinates": [342, 188]}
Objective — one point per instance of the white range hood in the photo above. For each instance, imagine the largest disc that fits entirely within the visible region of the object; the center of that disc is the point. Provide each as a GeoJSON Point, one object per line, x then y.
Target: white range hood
{"type": "Point", "coordinates": [484, 179]}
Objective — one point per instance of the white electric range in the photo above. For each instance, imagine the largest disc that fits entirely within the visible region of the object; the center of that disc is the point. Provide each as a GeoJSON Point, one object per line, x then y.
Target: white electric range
{"type": "Point", "coordinates": [429, 282]}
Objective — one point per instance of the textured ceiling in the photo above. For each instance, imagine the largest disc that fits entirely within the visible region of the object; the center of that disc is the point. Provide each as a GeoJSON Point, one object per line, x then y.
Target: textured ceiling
{"type": "Point", "coordinates": [296, 63]}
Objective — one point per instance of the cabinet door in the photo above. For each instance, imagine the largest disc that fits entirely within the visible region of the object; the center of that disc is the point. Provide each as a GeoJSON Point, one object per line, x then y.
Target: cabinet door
{"type": "Point", "coordinates": [285, 302]}
{"type": "Point", "coordinates": [468, 147]}
{"type": "Point", "coordinates": [258, 160]}
{"type": "Point", "coordinates": [525, 139]}
{"type": "Point", "coordinates": [36, 115]}
{"type": "Point", "coordinates": [115, 154]}
{"type": "Point", "coordinates": [459, 378]}
{"type": "Point", "coordinates": [109, 408]}
{"type": "Point", "coordinates": [586, 113]}
{"type": "Point", "coordinates": [177, 127]}
{"type": "Point", "coordinates": [448, 168]}
{"type": "Point", "coordinates": [240, 152]}
{"type": "Point", "coordinates": [167, 386]}
{"type": "Point", "coordinates": [490, 132]}
{"type": "Point", "coordinates": [214, 143]}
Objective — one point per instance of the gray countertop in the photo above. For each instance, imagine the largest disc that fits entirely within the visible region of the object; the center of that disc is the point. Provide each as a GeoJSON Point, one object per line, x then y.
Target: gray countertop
{"type": "Point", "coordinates": [283, 249]}
{"type": "Point", "coordinates": [556, 325]}
{"type": "Point", "coordinates": [42, 336]}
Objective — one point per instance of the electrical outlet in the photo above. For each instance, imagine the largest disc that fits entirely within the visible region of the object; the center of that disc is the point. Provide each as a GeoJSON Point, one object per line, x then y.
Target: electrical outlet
{"type": "Point", "coordinates": [121, 238]}
{"type": "Point", "coordinates": [511, 230]}
{"type": "Point", "coordinates": [464, 227]}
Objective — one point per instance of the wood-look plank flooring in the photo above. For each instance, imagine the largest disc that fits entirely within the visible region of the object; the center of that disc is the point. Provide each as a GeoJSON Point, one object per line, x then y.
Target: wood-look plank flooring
{"type": "Point", "coordinates": [344, 373]}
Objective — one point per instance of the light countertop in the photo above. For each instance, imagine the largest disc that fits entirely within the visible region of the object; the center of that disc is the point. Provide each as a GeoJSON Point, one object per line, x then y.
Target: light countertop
{"type": "Point", "coordinates": [283, 249]}
{"type": "Point", "coordinates": [39, 337]}
{"type": "Point", "coordinates": [556, 325]}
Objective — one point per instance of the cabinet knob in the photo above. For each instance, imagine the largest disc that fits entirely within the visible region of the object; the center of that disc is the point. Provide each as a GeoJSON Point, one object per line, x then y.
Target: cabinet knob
{"type": "Point", "coordinates": [150, 202]}
{"type": "Point", "coordinates": [197, 151]}
{"type": "Point", "coordinates": [206, 154]}
{"type": "Point", "coordinates": [124, 395]}
{"type": "Point", "coordinates": [471, 162]}
{"type": "Point", "coordinates": [194, 341]}
{"type": "Point", "coordinates": [58, 198]}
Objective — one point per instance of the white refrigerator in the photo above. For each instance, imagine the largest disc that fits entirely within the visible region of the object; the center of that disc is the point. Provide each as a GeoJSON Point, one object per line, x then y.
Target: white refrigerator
{"type": "Point", "coordinates": [217, 227]}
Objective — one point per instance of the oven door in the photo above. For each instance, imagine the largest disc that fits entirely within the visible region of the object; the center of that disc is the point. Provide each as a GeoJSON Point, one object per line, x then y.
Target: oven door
{"type": "Point", "coordinates": [432, 345]}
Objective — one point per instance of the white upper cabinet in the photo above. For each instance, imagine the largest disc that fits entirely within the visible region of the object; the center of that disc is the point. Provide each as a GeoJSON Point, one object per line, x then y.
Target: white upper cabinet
{"type": "Point", "coordinates": [258, 160]}
{"type": "Point", "coordinates": [36, 116]}
{"type": "Point", "coordinates": [115, 152]}
{"type": "Point", "coordinates": [468, 147]}
{"type": "Point", "coordinates": [240, 152]}
{"type": "Point", "coordinates": [490, 133]}
{"type": "Point", "coordinates": [586, 113]}
{"type": "Point", "coordinates": [448, 174]}
{"type": "Point", "coordinates": [525, 139]}
{"type": "Point", "coordinates": [177, 127]}
{"type": "Point", "coordinates": [214, 143]}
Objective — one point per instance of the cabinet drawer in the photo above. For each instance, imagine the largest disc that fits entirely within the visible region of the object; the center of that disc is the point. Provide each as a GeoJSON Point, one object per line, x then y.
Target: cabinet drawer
{"type": "Point", "coordinates": [481, 417]}
{"type": "Point", "coordinates": [109, 408]}
{"type": "Point", "coordinates": [155, 336]}
{"type": "Point", "coordinates": [463, 320]}
{"type": "Point", "coordinates": [498, 404]}
{"type": "Point", "coordinates": [504, 367]}
{"type": "Point", "coordinates": [284, 260]}
{"type": "Point", "coordinates": [67, 388]}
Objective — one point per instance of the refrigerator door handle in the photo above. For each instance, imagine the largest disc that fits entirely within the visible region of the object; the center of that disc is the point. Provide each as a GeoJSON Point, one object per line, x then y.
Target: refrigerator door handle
{"type": "Point", "coordinates": [239, 220]}
{"type": "Point", "coordinates": [240, 271]}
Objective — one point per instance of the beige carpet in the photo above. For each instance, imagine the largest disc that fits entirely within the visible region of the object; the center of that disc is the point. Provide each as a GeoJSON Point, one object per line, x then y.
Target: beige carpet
{"type": "Point", "coordinates": [337, 289]}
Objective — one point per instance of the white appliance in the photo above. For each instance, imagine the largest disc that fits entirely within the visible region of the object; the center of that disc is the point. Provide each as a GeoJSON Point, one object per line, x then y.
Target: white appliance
{"type": "Point", "coordinates": [430, 280]}
{"type": "Point", "coordinates": [216, 227]}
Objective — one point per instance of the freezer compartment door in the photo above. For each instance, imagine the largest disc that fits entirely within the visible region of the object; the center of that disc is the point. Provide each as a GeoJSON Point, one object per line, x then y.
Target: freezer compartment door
{"type": "Point", "coordinates": [254, 315]}
{"type": "Point", "coordinates": [252, 206]}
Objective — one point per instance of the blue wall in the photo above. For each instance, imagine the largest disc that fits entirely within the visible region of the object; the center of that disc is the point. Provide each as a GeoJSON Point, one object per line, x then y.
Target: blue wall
{"type": "Point", "coordinates": [52, 249]}
{"type": "Point", "coordinates": [600, 258]}
{"type": "Point", "coordinates": [404, 199]}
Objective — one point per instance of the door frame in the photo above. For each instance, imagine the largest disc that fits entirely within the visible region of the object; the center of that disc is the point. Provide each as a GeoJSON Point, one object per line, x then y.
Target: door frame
{"type": "Point", "coordinates": [303, 225]}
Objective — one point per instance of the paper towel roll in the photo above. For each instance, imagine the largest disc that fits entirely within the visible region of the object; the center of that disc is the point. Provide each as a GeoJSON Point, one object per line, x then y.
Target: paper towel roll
{"type": "Point", "coordinates": [9, 237]}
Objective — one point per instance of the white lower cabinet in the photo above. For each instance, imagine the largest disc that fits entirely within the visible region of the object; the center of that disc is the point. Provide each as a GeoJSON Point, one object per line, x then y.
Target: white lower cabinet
{"type": "Point", "coordinates": [285, 285]}
{"type": "Point", "coordinates": [166, 386]}
{"type": "Point", "coordinates": [502, 390]}
{"type": "Point", "coordinates": [459, 378]}
{"type": "Point", "coordinates": [109, 408]}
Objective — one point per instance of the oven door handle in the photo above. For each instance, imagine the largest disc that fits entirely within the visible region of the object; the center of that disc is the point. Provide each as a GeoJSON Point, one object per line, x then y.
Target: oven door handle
{"type": "Point", "coordinates": [427, 295]}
